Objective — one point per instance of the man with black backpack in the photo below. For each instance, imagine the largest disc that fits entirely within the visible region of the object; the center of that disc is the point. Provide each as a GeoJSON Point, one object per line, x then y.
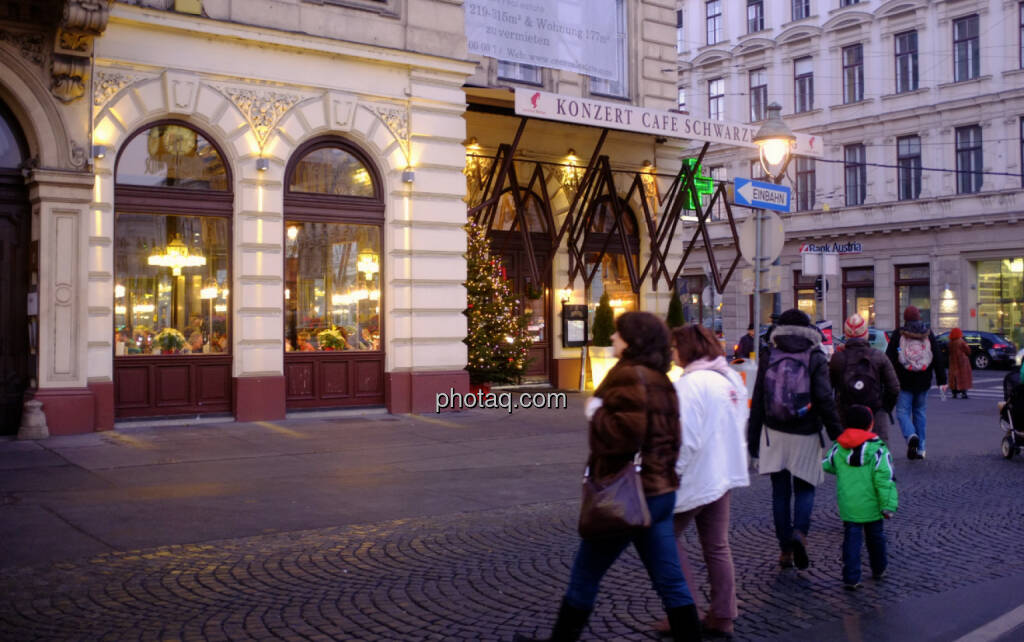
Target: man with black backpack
{"type": "Point", "coordinates": [915, 355]}
{"type": "Point", "coordinates": [792, 399]}
{"type": "Point", "coordinates": [864, 376]}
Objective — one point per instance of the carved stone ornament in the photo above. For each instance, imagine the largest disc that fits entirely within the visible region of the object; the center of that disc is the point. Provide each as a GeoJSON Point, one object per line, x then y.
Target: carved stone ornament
{"type": "Point", "coordinates": [78, 156]}
{"type": "Point", "coordinates": [397, 120]}
{"type": "Point", "coordinates": [82, 21]}
{"type": "Point", "coordinates": [29, 45]}
{"type": "Point", "coordinates": [69, 77]}
{"type": "Point", "coordinates": [106, 84]}
{"type": "Point", "coordinates": [89, 16]}
{"type": "Point", "coordinates": [262, 108]}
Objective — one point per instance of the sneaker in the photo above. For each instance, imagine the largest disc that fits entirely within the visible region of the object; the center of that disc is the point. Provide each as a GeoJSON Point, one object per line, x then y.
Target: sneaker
{"type": "Point", "coordinates": [852, 586]}
{"type": "Point", "coordinates": [912, 447]}
{"type": "Point", "coordinates": [712, 627]}
{"type": "Point", "coordinates": [786, 560]}
{"type": "Point", "coordinates": [800, 559]}
{"type": "Point", "coordinates": [879, 575]}
{"type": "Point", "coordinates": [920, 454]}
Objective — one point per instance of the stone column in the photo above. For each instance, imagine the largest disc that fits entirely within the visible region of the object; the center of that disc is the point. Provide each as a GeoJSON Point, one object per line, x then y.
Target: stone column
{"type": "Point", "coordinates": [60, 203]}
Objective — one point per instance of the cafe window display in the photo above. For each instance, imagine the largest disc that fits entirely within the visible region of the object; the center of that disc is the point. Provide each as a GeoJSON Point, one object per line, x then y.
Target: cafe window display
{"type": "Point", "coordinates": [171, 294]}
{"type": "Point", "coordinates": [1001, 298]}
{"type": "Point", "coordinates": [171, 280]}
{"type": "Point", "coordinates": [332, 289]}
{"type": "Point", "coordinates": [171, 287]}
{"type": "Point", "coordinates": [333, 272]}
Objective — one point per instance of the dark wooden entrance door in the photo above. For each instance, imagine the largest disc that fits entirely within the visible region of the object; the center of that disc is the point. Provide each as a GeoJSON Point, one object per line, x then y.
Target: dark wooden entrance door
{"type": "Point", "coordinates": [534, 300]}
{"type": "Point", "coordinates": [14, 348]}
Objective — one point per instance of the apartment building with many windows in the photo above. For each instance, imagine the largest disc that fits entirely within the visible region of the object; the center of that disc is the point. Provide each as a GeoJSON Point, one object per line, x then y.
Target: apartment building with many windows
{"type": "Point", "coordinates": [921, 109]}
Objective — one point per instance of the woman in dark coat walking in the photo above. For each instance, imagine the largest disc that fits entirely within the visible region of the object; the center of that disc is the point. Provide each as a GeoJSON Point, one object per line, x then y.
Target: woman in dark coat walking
{"type": "Point", "coordinates": [961, 377]}
{"type": "Point", "coordinates": [634, 409]}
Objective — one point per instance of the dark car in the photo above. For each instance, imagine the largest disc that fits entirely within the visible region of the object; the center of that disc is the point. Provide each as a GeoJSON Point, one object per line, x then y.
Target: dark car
{"type": "Point", "coordinates": [987, 349]}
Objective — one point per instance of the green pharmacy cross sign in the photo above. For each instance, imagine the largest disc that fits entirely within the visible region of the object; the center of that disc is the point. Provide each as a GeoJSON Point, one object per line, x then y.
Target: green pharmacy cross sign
{"type": "Point", "coordinates": [705, 185]}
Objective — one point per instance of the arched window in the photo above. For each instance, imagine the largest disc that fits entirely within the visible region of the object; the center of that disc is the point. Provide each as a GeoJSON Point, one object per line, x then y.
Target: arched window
{"type": "Point", "coordinates": [15, 241]}
{"type": "Point", "coordinates": [12, 146]}
{"type": "Point", "coordinates": [172, 155]}
{"type": "Point", "coordinates": [172, 273]}
{"type": "Point", "coordinates": [334, 214]}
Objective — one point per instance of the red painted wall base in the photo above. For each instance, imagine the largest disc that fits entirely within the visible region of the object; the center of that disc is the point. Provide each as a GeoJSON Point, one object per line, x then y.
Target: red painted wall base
{"type": "Point", "coordinates": [103, 400]}
{"type": "Point", "coordinates": [417, 391]}
{"type": "Point", "coordinates": [69, 411]}
{"type": "Point", "coordinates": [259, 398]}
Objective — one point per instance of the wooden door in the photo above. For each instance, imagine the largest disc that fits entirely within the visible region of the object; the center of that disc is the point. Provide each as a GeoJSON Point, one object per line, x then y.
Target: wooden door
{"type": "Point", "coordinates": [14, 345]}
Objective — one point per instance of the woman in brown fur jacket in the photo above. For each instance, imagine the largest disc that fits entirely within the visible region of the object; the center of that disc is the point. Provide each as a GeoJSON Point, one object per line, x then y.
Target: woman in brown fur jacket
{"type": "Point", "coordinates": [634, 408]}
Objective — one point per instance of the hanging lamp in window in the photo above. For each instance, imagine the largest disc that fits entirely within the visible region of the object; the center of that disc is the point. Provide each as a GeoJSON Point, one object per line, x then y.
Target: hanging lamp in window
{"type": "Point", "coordinates": [176, 256]}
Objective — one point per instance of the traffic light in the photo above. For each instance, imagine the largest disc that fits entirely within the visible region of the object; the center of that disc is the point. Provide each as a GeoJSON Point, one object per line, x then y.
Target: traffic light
{"type": "Point", "coordinates": [820, 286]}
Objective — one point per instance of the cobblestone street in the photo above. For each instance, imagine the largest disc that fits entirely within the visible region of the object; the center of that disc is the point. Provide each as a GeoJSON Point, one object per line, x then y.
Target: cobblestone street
{"type": "Point", "coordinates": [485, 573]}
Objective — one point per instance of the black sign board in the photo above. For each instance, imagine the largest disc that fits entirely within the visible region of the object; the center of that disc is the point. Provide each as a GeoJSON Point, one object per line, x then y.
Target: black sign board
{"type": "Point", "coordinates": [574, 326]}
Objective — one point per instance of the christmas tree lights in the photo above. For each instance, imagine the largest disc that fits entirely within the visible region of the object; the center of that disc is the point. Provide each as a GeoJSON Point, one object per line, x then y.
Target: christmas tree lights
{"type": "Point", "coordinates": [496, 333]}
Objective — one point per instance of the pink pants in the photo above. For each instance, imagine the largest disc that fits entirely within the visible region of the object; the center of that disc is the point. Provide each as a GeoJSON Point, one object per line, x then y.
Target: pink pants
{"type": "Point", "coordinates": [713, 529]}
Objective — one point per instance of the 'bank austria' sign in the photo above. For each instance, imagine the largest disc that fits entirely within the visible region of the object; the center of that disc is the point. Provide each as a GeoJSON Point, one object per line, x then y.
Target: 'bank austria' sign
{"type": "Point", "coordinates": [575, 35]}
{"type": "Point", "coordinates": [601, 113]}
{"type": "Point", "coordinates": [852, 247]}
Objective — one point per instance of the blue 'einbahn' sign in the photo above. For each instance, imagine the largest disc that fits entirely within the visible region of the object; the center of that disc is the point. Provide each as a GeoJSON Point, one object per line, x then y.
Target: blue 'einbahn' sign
{"type": "Point", "coordinates": [768, 196]}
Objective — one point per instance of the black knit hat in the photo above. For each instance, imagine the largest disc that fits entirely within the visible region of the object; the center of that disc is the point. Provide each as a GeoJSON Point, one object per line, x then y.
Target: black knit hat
{"type": "Point", "coordinates": [859, 417]}
{"type": "Point", "coordinates": [794, 317]}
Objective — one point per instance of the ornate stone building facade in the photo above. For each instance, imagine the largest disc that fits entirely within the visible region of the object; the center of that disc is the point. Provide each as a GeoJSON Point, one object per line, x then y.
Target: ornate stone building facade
{"type": "Point", "coordinates": [921, 105]}
{"type": "Point", "coordinates": [233, 211]}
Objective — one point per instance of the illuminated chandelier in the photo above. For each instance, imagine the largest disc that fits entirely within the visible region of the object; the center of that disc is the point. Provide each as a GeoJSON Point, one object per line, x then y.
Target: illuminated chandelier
{"type": "Point", "coordinates": [176, 257]}
{"type": "Point", "coordinates": [367, 263]}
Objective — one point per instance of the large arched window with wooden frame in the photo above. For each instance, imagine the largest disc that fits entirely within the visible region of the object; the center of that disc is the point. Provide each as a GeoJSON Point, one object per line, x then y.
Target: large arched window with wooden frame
{"type": "Point", "coordinates": [333, 335]}
{"type": "Point", "coordinates": [609, 258]}
{"type": "Point", "coordinates": [172, 274]}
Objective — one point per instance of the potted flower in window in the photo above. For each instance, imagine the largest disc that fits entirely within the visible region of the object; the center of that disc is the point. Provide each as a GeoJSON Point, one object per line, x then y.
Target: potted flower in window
{"type": "Point", "coordinates": [331, 339]}
{"type": "Point", "coordinates": [169, 341]}
{"type": "Point", "coordinates": [602, 357]}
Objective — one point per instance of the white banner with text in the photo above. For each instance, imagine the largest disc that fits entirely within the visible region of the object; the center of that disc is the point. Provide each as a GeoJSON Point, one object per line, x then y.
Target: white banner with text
{"type": "Point", "coordinates": [574, 35]}
{"type": "Point", "coordinates": [673, 124]}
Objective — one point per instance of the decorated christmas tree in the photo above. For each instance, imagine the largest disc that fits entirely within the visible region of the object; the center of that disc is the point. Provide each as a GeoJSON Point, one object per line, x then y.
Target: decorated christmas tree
{"type": "Point", "coordinates": [496, 332]}
{"type": "Point", "coordinates": [675, 311]}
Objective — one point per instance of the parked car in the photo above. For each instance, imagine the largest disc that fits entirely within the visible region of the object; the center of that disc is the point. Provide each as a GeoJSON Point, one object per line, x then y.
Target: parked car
{"type": "Point", "coordinates": [877, 338]}
{"type": "Point", "coordinates": [987, 349]}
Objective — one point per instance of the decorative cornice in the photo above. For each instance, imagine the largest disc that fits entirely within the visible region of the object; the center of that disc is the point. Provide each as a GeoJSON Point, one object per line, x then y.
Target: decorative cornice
{"type": "Point", "coordinates": [30, 45]}
{"type": "Point", "coordinates": [397, 121]}
{"type": "Point", "coordinates": [262, 108]}
{"type": "Point", "coordinates": [106, 84]}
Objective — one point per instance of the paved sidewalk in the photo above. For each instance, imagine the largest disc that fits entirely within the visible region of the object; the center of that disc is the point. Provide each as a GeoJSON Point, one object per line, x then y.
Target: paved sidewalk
{"type": "Point", "coordinates": [452, 527]}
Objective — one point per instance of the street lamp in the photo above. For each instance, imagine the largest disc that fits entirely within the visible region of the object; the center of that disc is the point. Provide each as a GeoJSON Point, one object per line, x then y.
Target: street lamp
{"type": "Point", "coordinates": [774, 141]}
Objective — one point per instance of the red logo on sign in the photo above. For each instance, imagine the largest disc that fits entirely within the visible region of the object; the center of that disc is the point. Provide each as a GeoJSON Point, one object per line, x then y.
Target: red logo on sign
{"type": "Point", "coordinates": [533, 99]}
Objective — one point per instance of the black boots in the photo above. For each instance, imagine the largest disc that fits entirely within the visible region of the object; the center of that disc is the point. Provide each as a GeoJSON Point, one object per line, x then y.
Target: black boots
{"type": "Point", "coordinates": [685, 622]}
{"type": "Point", "coordinates": [568, 627]}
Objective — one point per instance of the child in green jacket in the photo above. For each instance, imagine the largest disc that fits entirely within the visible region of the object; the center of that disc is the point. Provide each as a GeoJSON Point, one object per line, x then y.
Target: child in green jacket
{"type": "Point", "coordinates": [867, 492]}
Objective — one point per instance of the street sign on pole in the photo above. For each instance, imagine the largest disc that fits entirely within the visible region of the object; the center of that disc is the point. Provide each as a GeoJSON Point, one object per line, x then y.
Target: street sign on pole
{"type": "Point", "coordinates": [773, 237]}
{"type": "Point", "coordinates": [750, 193]}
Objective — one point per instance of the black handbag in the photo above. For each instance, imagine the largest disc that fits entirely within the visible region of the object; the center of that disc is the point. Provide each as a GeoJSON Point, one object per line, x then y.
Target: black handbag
{"type": "Point", "coordinates": [614, 506]}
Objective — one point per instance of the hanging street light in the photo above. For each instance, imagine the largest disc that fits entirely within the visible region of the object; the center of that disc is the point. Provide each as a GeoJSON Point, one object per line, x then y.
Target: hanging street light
{"type": "Point", "coordinates": [774, 140]}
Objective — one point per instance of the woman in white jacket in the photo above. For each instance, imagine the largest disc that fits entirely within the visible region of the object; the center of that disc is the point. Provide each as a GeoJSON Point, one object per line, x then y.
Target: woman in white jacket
{"type": "Point", "coordinates": [712, 461]}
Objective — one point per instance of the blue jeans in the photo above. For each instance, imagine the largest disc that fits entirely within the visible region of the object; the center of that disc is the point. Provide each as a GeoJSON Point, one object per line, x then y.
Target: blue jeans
{"type": "Point", "coordinates": [911, 409]}
{"type": "Point", "coordinates": [785, 486]}
{"type": "Point", "coordinates": [852, 535]}
{"type": "Point", "coordinates": [657, 549]}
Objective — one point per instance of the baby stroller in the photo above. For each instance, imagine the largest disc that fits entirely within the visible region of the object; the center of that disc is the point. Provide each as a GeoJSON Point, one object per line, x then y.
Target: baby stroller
{"type": "Point", "coordinates": [1011, 414]}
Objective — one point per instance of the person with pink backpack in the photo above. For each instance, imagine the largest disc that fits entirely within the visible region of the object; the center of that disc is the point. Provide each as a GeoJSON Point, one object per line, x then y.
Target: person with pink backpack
{"type": "Point", "coordinates": [916, 357]}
